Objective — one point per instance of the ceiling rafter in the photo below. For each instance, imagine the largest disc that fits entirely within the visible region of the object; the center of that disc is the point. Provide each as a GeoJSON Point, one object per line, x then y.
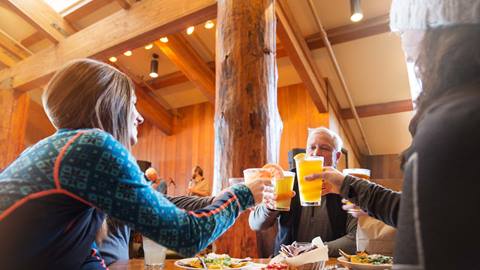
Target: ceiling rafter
{"type": "Point", "coordinates": [379, 109]}
{"type": "Point", "coordinates": [41, 16]}
{"type": "Point", "coordinates": [297, 49]}
{"type": "Point", "coordinates": [190, 63]}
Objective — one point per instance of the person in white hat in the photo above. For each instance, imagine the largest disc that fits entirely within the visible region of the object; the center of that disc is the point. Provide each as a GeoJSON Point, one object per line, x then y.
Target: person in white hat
{"type": "Point", "coordinates": [436, 215]}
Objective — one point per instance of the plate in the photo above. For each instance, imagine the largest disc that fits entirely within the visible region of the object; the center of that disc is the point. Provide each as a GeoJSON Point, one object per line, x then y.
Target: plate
{"type": "Point", "coordinates": [362, 266]}
{"type": "Point", "coordinates": [183, 264]}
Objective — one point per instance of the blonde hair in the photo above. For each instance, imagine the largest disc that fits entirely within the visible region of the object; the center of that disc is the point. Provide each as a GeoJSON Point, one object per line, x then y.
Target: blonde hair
{"type": "Point", "coordinates": [89, 94]}
{"type": "Point", "coordinates": [336, 140]}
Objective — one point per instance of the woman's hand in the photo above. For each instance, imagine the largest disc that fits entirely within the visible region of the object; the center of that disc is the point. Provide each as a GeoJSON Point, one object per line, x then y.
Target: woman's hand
{"type": "Point", "coordinates": [269, 197]}
{"type": "Point", "coordinates": [258, 187]}
{"type": "Point", "coordinates": [332, 177]}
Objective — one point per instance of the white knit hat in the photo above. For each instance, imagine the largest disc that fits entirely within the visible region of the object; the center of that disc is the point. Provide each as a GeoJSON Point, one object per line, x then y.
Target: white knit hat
{"type": "Point", "coordinates": [426, 14]}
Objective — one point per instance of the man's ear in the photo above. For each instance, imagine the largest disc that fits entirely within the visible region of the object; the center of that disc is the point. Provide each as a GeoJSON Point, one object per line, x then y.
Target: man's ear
{"type": "Point", "coordinates": [338, 155]}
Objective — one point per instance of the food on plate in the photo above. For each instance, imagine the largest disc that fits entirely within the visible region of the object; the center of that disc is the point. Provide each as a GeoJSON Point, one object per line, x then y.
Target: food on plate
{"type": "Point", "coordinates": [296, 249]}
{"type": "Point", "coordinates": [216, 261]}
{"type": "Point", "coordinates": [276, 266]}
{"type": "Point", "coordinates": [365, 258]}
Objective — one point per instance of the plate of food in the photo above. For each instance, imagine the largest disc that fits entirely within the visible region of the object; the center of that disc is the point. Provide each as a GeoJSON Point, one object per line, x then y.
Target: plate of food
{"type": "Point", "coordinates": [364, 261]}
{"type": "Point", "coordinates": [213, 261]}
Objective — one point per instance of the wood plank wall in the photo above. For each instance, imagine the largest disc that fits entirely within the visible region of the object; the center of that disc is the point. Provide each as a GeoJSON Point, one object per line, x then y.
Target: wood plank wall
{"type": "Point", "coordinates": [192, 143]}
{"type": "Point", "coordinates": [385, 170]}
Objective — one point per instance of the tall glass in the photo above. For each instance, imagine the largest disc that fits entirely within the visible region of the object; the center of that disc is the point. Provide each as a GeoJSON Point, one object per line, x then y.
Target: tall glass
{"type": "Point", "coordinates": [310, 191]}
{"type": "Point", "coordinates": [253, 174]}
{"type": "Point", "coordinates": [283, 187]}
{"type": "Point", "coordinates": [358, 172]}
{"type": "Point", "coordinates": [154, 254]}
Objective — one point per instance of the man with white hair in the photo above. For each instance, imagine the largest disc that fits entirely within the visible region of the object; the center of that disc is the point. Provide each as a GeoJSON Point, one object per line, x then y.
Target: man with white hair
{"type": "Point", "coordinates": [302, 224]}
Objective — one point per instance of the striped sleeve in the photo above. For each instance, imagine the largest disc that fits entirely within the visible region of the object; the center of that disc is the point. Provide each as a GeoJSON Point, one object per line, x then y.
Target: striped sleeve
{"type": "Point", "coordinates": [100, 171]}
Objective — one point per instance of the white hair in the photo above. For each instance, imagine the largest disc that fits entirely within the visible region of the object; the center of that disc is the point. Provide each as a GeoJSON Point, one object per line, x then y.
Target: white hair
{"type": "Point", "coordinates": [337, 141]}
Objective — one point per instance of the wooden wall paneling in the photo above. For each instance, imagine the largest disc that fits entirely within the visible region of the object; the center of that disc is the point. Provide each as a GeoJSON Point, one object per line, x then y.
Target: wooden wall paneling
{"type": "Point", "coordinates": [13, 120]}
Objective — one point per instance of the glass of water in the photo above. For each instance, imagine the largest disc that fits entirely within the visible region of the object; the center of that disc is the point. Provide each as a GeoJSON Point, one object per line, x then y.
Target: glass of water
{"type": "Point", "coordinates": [154, 254]}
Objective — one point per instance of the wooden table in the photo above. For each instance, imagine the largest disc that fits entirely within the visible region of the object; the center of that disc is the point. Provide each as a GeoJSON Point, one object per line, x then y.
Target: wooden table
{"type": "Point", "coordinates": [138, 264]}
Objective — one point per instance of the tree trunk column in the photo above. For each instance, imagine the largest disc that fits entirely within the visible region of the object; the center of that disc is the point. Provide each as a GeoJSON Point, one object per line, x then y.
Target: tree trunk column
{"type": "Point", "coordinates": [13, 121]}
{"type": "Point", "coordinates": [247, 123]}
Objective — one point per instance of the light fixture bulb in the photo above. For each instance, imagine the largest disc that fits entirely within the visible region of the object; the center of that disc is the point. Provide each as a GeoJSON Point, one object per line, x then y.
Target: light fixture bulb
{"type": "Point", "coordinates": [112, 59]}
{"type": "Point", "coordinates": [149, 46]}
{"type": "Point", "coordinates": [164, 39]}
{"type": "Point", "coordinates": [190, 30]}
{"type": "Point", "coordinates": [128, 53]}
{"type": "Point", "coordinates": [356, 17]}
{"type": "Point", "coordinates": [154, 66]}
{"type": "Point", "coordinates": [209, 24]}
{"type": "Point", "coordinates": [355, 11]}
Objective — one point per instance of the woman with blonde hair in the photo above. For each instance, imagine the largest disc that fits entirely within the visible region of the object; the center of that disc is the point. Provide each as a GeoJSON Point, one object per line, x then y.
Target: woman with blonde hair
{"type": "Point", "coordinates": [54, 196]}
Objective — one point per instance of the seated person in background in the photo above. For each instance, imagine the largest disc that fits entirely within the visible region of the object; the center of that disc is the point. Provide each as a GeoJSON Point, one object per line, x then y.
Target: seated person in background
{"type": "Point", "coordinates": [198, 186]}
{"type": "Point", "coordinates": [302, 224]}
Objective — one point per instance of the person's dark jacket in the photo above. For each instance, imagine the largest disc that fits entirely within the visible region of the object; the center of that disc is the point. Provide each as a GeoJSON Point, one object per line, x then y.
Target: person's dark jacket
{"type": "Point", "coordinates": [288, 222]}
{"type": "Point", "coordinates": [437, 216]}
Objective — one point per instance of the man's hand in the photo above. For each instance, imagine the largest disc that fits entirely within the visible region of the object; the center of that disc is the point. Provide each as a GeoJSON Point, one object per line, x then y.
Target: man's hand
{"type": "Point", "coordinates": [333, 179]}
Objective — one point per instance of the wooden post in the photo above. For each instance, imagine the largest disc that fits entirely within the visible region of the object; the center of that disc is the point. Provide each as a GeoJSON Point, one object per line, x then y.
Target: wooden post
{"type": "Point", "coordinates": [13, 120]}
{"type": "Point", "coordinates": [247, 122]}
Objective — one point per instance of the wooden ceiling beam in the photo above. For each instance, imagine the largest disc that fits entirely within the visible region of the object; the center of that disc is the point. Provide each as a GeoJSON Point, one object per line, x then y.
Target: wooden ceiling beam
{"type": "Point", "coordinates": [41, 16]}
{"type": "Point", "coordinates": [7, 58]}
{"type": "Point", "coordinates": [370, 27]}
{"type": "Point", "coordinates": [188, 61]}
{"type": "Point", "coordinates": [379, 109]}
{"type": "Point", "coordinates": [83, 9]}
{"type": "Point", "coordinates": [174, 78]}
{"type": "Point", "coordinates": [142, 24]}
{"type": "Point", "coordinates": [125, 4]}
{"type": "Point", "coordinates": [32, 39]}
{"type": "Point", "coordinates": [13, 46]}
{"type": "Point", "coordinates": [297, 49]}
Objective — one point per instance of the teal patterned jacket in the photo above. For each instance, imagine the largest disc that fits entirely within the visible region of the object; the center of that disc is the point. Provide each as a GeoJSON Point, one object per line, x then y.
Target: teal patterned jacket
{"type": "Point", "coordinates": [54, 196]}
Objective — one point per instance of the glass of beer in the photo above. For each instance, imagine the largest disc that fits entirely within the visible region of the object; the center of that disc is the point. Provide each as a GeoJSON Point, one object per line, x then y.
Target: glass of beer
{"type": "Point", "coordinates": [310, 191]}
{"type": "Point", "coordinates": [253, 174]}
{"type": "Point", "coordinates": [358, 172]}
{"type": "Point", "coordinates": [283, 187]}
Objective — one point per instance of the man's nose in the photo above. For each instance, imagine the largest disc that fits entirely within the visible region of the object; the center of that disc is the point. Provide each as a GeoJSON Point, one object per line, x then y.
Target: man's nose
{"type": "Point", "coordinates": [316, 152]}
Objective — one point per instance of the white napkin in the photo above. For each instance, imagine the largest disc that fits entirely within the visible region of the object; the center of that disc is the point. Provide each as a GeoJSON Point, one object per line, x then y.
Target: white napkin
{"type": "Point", "coordinates": [312, 256]}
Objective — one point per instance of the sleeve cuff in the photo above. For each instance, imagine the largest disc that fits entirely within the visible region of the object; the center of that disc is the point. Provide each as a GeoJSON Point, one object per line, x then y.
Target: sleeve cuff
{"type": "Point", "coordinates": [346, 190]}
{"type": "Point", "coordinates": [244, 196]}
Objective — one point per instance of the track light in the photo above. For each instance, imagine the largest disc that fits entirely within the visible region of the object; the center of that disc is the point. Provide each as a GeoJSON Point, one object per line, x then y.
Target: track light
{"type": "Point", "coordinates": [148, 46]}
{"type": "Point", "coordinates": [112, 59]}
{"type": "Point", "coordinates": [356, 11]}
{"type": "Point", "coordinates": [164, 39]}
{"type": "Point", "coordinates": [128, 53]}
{"type": "Point", "coordinates": [190, 30]}
{"type": "Point", "coordinates": [154, 66]}
{"type": "Point", "coordinates": [209, 24]}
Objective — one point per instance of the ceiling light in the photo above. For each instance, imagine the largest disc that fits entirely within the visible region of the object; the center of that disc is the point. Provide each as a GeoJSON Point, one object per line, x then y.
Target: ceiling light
{"type": "Point", "coordinates": [149, 46]}
{"type": "Point", "coordinates": [154, 66]}
{"type": "Point", "coordinates": [164, 39]}
{"type": "Point", "coordinates": [356, 11]}
{"type": "Point", "coordinates": [209, 24]}
{"type": "Point", "coordinates": [128, 53]}
{"type": "Point", "coordinates": [190, 30]}
{"type": "Point", "coordinates": [112, 59]}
